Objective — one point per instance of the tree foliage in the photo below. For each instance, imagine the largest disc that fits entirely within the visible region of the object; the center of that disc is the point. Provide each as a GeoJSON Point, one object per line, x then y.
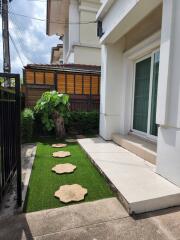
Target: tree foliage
{"type": "Point", "coordinates": [50, 103]}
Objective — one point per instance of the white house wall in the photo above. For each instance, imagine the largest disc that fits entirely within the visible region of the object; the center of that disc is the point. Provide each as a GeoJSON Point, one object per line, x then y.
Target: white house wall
{"type": "Point", "coordinates": [79, 29]}
{"type": "Point", "coordinates": [168, 101]}
{"type": "Point", "coordinates": [81, 44]}
{"type": "Point", "coordinates": [88, 32]}
{"type": "Point", "coordinates": [70, 57]}
{"type": "Point", "coordinates": [74, 17]}
{"type": "Point", "coordinates": [123, 15]}
{"type": "Point", "coordinates": [66, 43]}
{"type": "Point", "coordinates": [144, 29]}
{"type": "Point", "coordinates": [111, 89]}
{"type": "Point", "coordinates": [117, 77]}
{"type": "Point", "coordinates": [117, 84]}
{"type": "Point", "coordinates": [168, 113]}
{"type": "Point", "coordinates": [113, 16]}
{"type": "Point", "coordinates": [87, 55]}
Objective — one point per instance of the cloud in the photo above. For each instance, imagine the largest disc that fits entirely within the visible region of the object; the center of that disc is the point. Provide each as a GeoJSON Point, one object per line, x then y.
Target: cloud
{"type": "Point", "coordinates": [29, 35]}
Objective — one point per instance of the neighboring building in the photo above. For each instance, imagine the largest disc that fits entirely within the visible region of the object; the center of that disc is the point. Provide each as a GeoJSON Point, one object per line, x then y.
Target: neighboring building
{"type": "Point", "coordinates": [57, 54]}
{"type": "Point", "coordinates": [140, 83]}
{"type": "Point", "coordinates": [74, 20]}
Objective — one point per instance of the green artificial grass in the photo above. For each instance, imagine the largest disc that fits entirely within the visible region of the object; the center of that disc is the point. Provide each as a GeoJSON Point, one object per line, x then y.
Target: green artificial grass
{"type": "Point", "coordinates": [44, 182]}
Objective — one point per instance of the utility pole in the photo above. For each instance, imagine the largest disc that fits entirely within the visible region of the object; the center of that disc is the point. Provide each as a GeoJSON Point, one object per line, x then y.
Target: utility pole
{"type": "Point", "coordinates": [5, 36]}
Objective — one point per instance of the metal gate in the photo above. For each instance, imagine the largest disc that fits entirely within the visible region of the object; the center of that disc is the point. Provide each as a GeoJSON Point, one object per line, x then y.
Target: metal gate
{"type": "Point", "coordinates": [10, 133]}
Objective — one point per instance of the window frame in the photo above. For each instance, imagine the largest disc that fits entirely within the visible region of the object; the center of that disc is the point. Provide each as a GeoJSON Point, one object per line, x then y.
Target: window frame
{"type": "Point", "coordinates": [147, 134]}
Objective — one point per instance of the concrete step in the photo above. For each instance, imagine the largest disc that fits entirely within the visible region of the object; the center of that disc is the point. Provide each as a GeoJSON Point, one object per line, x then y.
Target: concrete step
{"type": "Point", "coordinates": [142, 148]}
{"type": "Point", "coordinates": [139, 187]}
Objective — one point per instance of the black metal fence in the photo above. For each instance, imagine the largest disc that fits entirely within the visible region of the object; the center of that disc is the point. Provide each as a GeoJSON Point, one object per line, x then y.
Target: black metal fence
{"type": "Point", "coordinates": [10, 133]}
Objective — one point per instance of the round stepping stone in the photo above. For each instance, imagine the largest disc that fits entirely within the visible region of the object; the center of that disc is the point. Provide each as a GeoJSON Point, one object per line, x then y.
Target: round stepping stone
{"type": "Point", "coordinates": [71, 140]}
{"type": "Point", "coordinates": [64, 168]}
{"type": "Point", "coordinates": [59, 145]}
{"type": "Point", "coordinates": [71, 193]}
{"type": "Point", "coordinates": [61, 154]}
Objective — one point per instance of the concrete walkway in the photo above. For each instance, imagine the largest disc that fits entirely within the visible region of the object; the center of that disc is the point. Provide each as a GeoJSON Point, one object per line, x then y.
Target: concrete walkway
{"type": "Point", "coordinates": [139, 187]}
{"type": "Point", "coordinates": [8, 208]}
{"type": "Point", "coordinates": [98, 220]}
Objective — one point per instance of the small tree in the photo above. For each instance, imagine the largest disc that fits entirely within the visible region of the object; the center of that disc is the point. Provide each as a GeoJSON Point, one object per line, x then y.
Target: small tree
{"type": "Point", "coordinates": [53, 109]}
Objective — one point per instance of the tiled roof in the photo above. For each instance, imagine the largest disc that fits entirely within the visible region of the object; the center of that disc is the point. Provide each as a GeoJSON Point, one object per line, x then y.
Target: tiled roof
{"type": "Point", "coordinates": [63, 67]}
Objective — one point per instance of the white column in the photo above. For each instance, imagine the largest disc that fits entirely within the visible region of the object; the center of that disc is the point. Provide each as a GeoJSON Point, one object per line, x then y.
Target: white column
{"type": "Point", "coordinates": [111, 88]}
{"type": "Point", "coordinates": [168, 102]}
{"type": "Point", "coordinates": [73, 18]}
{"type": "Point", "coordinates": [65, 44]}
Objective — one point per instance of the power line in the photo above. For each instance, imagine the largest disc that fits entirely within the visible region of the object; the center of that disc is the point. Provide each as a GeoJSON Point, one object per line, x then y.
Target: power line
{"type": "Point", "coordinates": [19, 36]}
{"type": "Point", "coordinates": [19, 39]}
{"type": "Point", "coordinates": [20, 32]}
{"type": "Point", "coordinates": [18, 53]}
{"type": "Point", "coordinates": [16, 23]}
{"type": "Point", "coordinates": [19, 44]}
{"type": "Point", "coordinates": [44, 20]}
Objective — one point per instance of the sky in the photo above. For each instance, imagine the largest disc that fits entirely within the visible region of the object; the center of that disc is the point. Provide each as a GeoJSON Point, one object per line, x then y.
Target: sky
{"type": "Point", "coordinates": [29, 35]}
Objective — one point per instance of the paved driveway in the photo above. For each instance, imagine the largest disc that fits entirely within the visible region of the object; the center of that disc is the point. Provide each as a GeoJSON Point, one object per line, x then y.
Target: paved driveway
{"type": "Point", "coordinates": [98, 220]}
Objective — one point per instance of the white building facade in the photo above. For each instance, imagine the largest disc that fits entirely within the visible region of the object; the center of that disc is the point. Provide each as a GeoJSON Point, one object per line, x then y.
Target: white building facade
{"type": "Point", "coordinates": [75, 21]}
{"type": "Point", "coordinates": [140, 83]}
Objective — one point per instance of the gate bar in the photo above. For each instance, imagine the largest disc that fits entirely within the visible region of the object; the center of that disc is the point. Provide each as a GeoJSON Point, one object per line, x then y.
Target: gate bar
{"type": "Point", "coordinates": [18, 141]}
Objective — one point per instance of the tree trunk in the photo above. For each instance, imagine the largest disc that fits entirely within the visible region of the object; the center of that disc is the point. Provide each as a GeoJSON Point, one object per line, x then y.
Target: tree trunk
{"type": "Point", "coordinates": [59, 125]}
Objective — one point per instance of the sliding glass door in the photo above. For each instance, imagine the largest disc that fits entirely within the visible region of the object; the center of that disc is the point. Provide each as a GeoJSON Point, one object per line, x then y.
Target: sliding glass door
{"type": "Point", "coordinates": [145, 94]}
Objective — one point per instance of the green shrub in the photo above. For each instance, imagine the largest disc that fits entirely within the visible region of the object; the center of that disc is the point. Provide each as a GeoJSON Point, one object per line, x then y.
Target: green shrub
{"type": "Point", "coordinates": [83, 122]}
{"type": "Point", "coordinates": [27, 122]}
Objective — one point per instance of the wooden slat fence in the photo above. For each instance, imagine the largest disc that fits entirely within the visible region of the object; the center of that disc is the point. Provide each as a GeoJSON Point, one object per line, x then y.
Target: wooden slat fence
{"type": "Point", "coordinates": [83, 87]}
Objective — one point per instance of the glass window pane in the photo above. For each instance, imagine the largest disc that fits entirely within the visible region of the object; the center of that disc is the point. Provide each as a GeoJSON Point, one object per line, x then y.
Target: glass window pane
{"type": "Point", "coordinates": [141, 95]}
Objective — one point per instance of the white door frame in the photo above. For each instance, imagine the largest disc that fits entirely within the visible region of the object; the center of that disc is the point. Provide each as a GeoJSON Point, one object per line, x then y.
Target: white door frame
{"type": "Point", "coordinates": [137, 53]}
{"type": "Point", "coordinates": [147, 134]}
